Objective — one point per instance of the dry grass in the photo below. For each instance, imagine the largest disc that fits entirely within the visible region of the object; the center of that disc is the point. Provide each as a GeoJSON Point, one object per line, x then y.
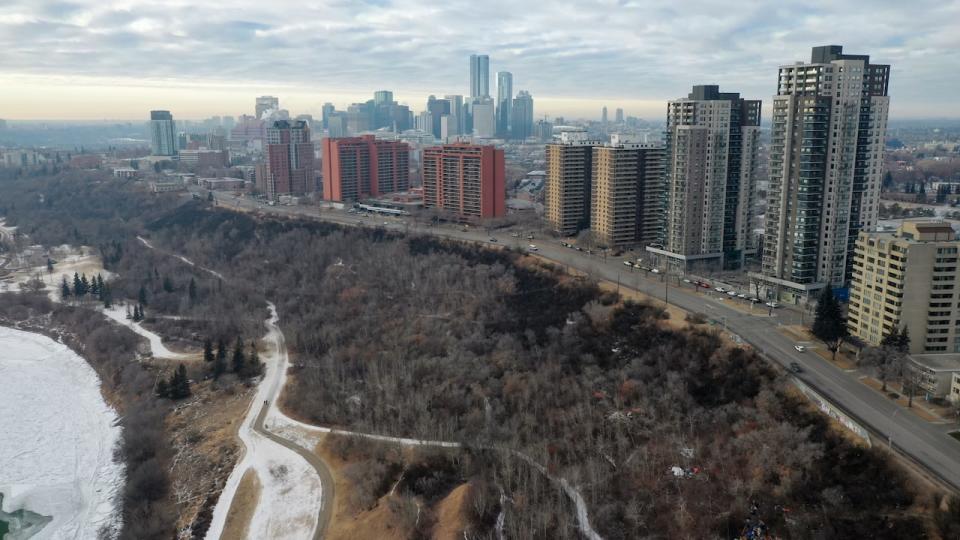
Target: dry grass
{"type": "Point", "coordinates": [242, 508]}
{"type": "Point", "coordinates": [204, 433]}
{"type": "Point", "coordinates": [451, 514]}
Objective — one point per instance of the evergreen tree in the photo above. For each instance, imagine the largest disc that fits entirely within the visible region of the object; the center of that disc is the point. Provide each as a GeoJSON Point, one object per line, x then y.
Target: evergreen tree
{"type": "Point", "coordinates": [49, 265]}
{"type": "Point", "coordinates": [163, 389]}
{"type": "Point", "coordinates": [77, 286]}
{"type": "Point", "coordinates": [85, 283]}
{"type": "Point", "coordinates": [180, 384]}
{"type": "Point", "coordinates": [192, 290]}
{"type": "Point", "coordinates": [897, 340]}
{"type": "Point", "coordinates": [208, 351]}
{"type": "Point", "coordinates": [106, 295]}
{"type": "Point", "coordinates": [64, 289]}
{"type": "Point", "coordinates": [828, 324]}
{"type": "Point", "coordinates": [238, 358]}
{"type": "Point", "coordinates": [94, 288]}
{"type": "Point", "coordinates": [254, 365]}
{"type": "Point", "coordinates": [220, 362]}
{"type": "Point", "coordinates": [167, 285]}
{"type": "Point", "coordinates": [142, 296]}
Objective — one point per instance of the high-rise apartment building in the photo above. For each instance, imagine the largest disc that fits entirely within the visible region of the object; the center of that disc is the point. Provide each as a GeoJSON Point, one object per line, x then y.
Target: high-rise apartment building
{"type": "Point", "coordinates": [711, 173]}
{"type": "Point", "coordinates": [479, 75]}
{"type": "Point", "coordinates": [826, 156]}
{"type": "Point", "coordinates": [907, 280]}
{"type": "Point", "coordinates": [356, 168]}
{"type": "Point", "coordinates": [264, 104]}
{"type": "Point", "coordinates": [289, 159]}
{"type": "Point", "coordinates": [522, 116]}
{"type": "Point", "coordinates": [163, 134]}
{"type": "Point", "coordinates": [617, 199]}
{"type": "Point", "coordinates": [504, 102]}
{"type": "Point", "coordinates": [464, 179]}
{"type": "Point", "coordinates": [619, 116]}
{"type": "Point", "coordinates": [567, 187]}
{"type": "Point", "coordinates": [627, 168]}
{"type": "Point", "coordinates": [603, 115]}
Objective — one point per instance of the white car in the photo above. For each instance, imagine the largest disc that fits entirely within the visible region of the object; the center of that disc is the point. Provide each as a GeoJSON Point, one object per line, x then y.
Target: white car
{"type": "Point", "coordinates": [720, 290]}
{"type": "Point", "coordinates": [731, 293]}
{"type": "Point", "coordinates": [532, 247]}
{"type": "Point", "coordinates": [772, 304]}
{"type": "Point", "coordinates": [685, 280]}
{"type": "Point", "coordinates": [743, 296]}
{"type": "Point", "coordinates": [655, 270]}
{"type": "Point", "coordinates": [628, 263]}
{"type": "Point", "coordinates": [799, 348]}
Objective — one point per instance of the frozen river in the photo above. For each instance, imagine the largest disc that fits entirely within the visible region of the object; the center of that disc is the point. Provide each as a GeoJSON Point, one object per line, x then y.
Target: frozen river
{"type": "Point", "coordinates": [57, 437]}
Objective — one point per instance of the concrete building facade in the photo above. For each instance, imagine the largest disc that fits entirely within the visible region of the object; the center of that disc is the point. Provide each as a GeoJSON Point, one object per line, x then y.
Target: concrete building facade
{"type": "Point", "coordinates": [618, 201]}
{"type": "Point", "coordinates": [711, 174]}
{"type": "Point", "coordinates": [907, 279]}
{"type": "Point", "coordinates": [466, 180]}
{"type": "Point", "coordinates": [358, 168]}
{"type": "Point", "coordinates": [826, 157]}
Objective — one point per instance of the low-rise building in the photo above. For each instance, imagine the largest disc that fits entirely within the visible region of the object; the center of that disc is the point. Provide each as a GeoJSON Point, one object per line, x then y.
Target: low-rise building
{"type": "Point", "coordinates": [936, 373]}
{"type": "Point", "coordinates": [223, 184]}
{"type": "Point", "coordinates": [907, 279]}
{"type": "Point", "coordinates": [163, 186]}
{"type": "Point", "coordinates": [125, 172]}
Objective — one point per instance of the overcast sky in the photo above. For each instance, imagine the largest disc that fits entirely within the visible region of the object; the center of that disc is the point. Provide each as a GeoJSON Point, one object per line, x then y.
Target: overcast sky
{"type": "Point", "coordinates": [116, 59]}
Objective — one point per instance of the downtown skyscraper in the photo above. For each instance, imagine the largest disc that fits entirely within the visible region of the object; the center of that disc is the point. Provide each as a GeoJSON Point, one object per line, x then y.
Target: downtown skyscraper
{"type": "Point", "coordinates": [504, 102]}
{"type": "Point", "coordinates": [826, 157]}
{"type": "Point", "coordinates": [163, 134]}
{"type": "Point", "coordinates": [712, 143]}
{"type": "Point", "coordinates": [521, 125]}
{"type": "Point", "coordinates": [479, 75]}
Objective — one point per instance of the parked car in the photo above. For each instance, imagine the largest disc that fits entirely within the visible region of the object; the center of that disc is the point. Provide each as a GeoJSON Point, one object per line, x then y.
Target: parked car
{"type": "Point", "coordinates": [628, 263]}
{"type": "Point", "coordinates": [799, 348]}
{"type": "Point", "coordinates": [772, 304]}
{"type": "Point", "coordinates": [532, 247]}
{"type": "Point", "coordinates": [720, 290]}
{"type": "Point", "coordinates": [741, 295]}
{"type": "Point", "coordinates": [515, 235]}
{"type": "Point", "coordinates": [795, 367]}
{"type": "Point", "coordinates": [731, 293]}
{"type": "Point", "coordinates": [705, 285]}
{"type": "Point", "coordinates": [492, 239]}
{"type": "Point", "coordinates": [655, 270]}
{"type": "Point", "coordinates": [685, 280]}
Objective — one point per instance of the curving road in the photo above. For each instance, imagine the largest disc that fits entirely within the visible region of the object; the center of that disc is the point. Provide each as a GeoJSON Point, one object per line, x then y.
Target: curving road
{"type": "Point", "coordinates": [928, 445]}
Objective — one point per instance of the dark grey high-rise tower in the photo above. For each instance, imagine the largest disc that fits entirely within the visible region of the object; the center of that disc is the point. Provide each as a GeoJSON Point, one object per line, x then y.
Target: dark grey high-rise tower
{"type": "Point", "coordinates": [504, 102]}
{"type": "Point", "coordinates": [479, 75]}
{"type": "Point", "coordinates": [163, 134]}
{"type": "Point", "coordinates": [522, 113]}
{"type": "Point", "coordinates": [826, 157]}
{"type": "Point", "coordinates": [712, 143]}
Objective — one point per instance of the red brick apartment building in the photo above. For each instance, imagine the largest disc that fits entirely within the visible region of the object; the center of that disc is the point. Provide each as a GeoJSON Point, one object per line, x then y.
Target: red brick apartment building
{"type": "Point", "coordinates": [465, 179]}
{"type": "Point", "coordinates": [356, 168]}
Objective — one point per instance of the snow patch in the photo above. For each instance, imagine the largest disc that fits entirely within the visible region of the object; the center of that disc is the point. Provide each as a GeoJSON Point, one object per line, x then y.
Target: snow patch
{"type": "Point", "coordinates": [56, 451]}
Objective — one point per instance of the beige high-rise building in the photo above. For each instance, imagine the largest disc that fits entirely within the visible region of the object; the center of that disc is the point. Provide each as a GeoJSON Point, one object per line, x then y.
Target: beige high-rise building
{"type": "Point", "coordinates": [567, 186]}
{"type": "Point", "coordinates": [618, 196]}
{"type": "Point", "coordinates": [826, 158]}
{"type": "Point", "coordinates": [907, 279]}
{"type": "Point", "coordinates": [711, 173]}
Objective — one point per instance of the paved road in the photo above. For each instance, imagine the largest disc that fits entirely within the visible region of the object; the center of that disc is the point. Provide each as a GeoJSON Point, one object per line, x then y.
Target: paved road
{"type": "Point", "coordinates": [928, 444]}
{"type": "Point", "coordinates": [326, 478]}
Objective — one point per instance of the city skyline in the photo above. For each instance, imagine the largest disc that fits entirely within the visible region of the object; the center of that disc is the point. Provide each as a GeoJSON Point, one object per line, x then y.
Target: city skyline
{"type": "Point", "coordinates": [82, 60]}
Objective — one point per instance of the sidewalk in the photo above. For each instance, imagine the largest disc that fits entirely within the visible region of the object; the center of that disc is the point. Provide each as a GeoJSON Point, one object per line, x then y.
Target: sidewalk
{"type": "Point", "coordinates": [921, 408]}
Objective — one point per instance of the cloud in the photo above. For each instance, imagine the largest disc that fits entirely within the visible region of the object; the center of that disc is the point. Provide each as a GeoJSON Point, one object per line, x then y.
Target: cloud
{"type": "Point", "coordinates": [587, 49]}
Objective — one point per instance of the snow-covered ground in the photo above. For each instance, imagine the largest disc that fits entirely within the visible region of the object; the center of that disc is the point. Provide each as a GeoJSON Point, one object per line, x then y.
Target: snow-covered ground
{"type": "Point", "coordinates": [119, 314]}
{"type": "Point", "coordinates": [57, 437]}
{"type": "Point", "coordinates": [213, 273]}
{"type": "Point", "coordinates": [292, 493]}
{"type": "Point", "coordinates": [32, 262]}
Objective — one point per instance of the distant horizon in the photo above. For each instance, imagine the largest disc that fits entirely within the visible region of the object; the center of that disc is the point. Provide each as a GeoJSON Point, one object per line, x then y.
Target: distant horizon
{"type": "Point", "coordinates": [88, 60]}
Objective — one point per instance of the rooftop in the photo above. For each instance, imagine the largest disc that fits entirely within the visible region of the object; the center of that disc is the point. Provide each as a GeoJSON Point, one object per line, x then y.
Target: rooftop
{"type": "Point", "coordinates": [938, 362]}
